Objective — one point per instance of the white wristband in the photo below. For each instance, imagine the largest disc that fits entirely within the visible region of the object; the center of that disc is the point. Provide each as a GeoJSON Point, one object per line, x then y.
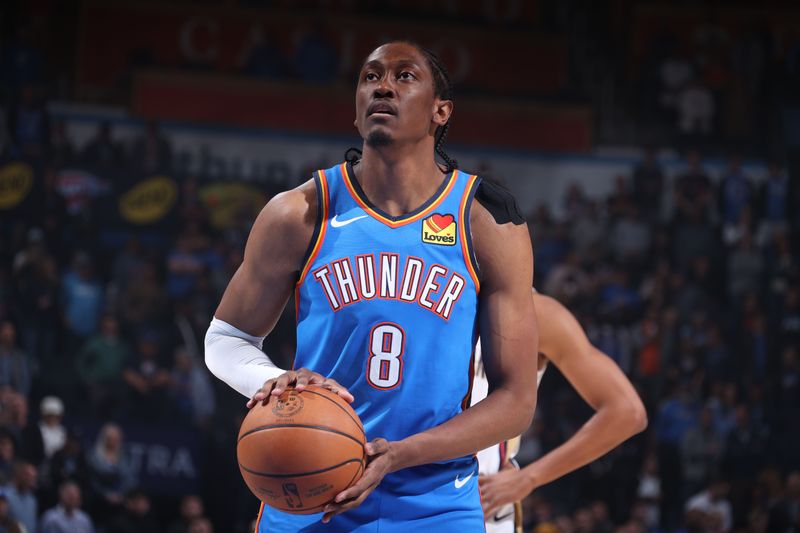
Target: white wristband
{"type": "Point", "coordinates": [236, 358]}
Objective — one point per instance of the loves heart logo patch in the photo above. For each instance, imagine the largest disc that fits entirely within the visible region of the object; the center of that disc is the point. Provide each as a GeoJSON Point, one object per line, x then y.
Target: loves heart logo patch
{"type": "Point", "coordinates": [439, 229]}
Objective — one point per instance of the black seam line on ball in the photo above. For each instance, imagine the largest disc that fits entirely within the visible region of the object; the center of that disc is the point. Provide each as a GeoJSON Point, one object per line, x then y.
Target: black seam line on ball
{"type": "Point", "coordinates": [301, 474]}
{"type": "Point", "coordinates": [300, 426]}
{"type": "Point", "coordinates": [337, 405]}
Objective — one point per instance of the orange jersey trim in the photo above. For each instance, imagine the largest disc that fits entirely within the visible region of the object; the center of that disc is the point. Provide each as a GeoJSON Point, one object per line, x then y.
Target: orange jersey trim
{"type": "Point", "coordinates": [323, 184]}
{"type": "Point", "coordinates": [260, 516]}
{"type": "Point", "coordinates": [465, 246]}
{"type": "Point", "coordinates": [396, 223]}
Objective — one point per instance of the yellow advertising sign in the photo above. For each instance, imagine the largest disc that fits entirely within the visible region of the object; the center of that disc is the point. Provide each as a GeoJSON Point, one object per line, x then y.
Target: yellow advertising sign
{"type": "Point", "coordinates": [16, 180]}
{"type": "Point", "coordinates": [149, 201]}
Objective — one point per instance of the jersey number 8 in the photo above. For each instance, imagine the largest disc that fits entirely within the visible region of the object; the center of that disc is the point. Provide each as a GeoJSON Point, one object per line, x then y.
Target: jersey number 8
{"type": "Point", "coordinates": [385, 364]}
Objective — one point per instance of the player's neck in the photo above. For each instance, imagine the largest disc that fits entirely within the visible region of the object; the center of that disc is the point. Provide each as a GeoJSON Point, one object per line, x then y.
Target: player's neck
{"type": "Point", "coordinates": [398, 180]}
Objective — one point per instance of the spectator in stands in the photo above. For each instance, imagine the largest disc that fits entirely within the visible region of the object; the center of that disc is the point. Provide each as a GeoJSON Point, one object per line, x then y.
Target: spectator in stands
{"type": "Point", "coordinates": [7, 523]}
{"type": "Point", "coordinates": [191, 389]}
{"type": "Point", "coordinates": [14, 416]}
{"type": "Point", "coordinates": [588, 235]}
{"type": "Point", "coordinates": [735, 192]}
{"type": "Point", "coordinates": [183, 267]}
{"type": "Point", "coordinates": [648, 492]}
{"type": "Point", "coordinates": [575, 202]}
{"type": "Point", "coordinates": [152, 151]}
{"type": "Point", "coordinates": [110, 471]}
{"type": "Point", "coordinates": [200, 525]}
{"type": "Point", "coordinates": [674, 72]}
{"type": "Point", "coordinates": [100, 363]}
{"type": "Point", "coordinates": [630, 237]}
{"type": "Point", "coordinates": [648, 184]}
{"type": "Point", "coordinates": [701, 453]}
{"type": "Point", "coordinates": [16, 368]}
{"type": "Point", "coordinates": [147, 380]}
{"type": "Point", "coordinates": [567, 281]}
{"type": "Point", "coordinates": [127, 263]}
{"type": "Point", "coordinates": [143, 304]}
{"type": "Point", "coordinates": [69, 464]}
{"type": "Point", "coordinates": [696, 109]}
{"type": "Point", "coordinates": [8, 455]}
{"type": "Point", "coordinates": [713, 504]}
{"type": "Point", "coordinates": [22, 502]}
{"type": "Point", "coordinates": [67, 516]}
{"type": "Point", "coordinates": [745, 269]}
{"type": "Point", "coordinates": [36, 296]}
{"type": "Point", "coordinates": [775, 197]}
{"type": "Point", "coordinates": [49, 435]}
{"type": "Point", "coordinates": [693, 191]}
{"type": "Point", "coordinates": [785, 514]}
{"type": "Point", "coordinates": [83, 299]}
{"type": "Point", "coordinates": [191, 510]}
{"type": "Point", "coordinates": [675, 417]}
{"type": "Point", "coordinates": [101, 152]}
{"type": "Point", "coordinates": [136, 517]}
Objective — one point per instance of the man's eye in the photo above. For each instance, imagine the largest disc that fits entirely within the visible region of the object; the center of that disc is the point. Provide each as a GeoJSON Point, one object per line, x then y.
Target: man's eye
{"type": "Point", "coordinates": [405, 75]}
{"type": "Point", "coordinates": [370, 76]}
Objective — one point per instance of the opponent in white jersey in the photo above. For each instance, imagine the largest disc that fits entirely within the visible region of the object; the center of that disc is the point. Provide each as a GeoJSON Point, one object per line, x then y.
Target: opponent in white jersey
{"type": "Point", "coordinates": [619, 414]}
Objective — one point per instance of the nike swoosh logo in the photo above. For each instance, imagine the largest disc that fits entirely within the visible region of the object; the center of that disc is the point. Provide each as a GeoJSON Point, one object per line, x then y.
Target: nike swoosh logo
{"type": "Point", "coordinates": [339, 223]}
{"type": "Point", "coordinates": [461, 482]}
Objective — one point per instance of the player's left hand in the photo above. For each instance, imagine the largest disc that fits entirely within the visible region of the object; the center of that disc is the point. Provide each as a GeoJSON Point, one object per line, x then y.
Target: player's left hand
{"type": "Point", "coordinates": [507, 486]}
{"type": "Point", "coordinates": [379, 463]}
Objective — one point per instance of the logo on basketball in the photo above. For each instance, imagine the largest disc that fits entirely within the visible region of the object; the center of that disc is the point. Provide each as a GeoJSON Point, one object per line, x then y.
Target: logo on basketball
{"type": "Point", "coordinates": [288, 404]}
{"type": "Point", "coordinates": [292, 496]}
{"type": "Point", "coordinates": [439, 229]}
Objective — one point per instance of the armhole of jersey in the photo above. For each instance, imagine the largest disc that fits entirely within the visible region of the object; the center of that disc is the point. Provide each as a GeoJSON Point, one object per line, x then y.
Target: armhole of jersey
{"type": "Point", "coordinates": [321, 184]}
{"type": "Point", "coordinates": [466, 233]}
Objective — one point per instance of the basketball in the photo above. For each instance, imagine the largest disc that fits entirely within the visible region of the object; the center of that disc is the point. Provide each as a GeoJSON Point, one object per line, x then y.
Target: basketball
{"type": "Point", "coordinates": [296, 452]}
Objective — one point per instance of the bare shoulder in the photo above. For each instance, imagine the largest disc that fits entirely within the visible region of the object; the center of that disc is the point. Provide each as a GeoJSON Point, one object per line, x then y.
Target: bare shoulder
{"type": "Point", "coordinates": [500, 248]}
{"type": "Point", "coordinates": [560, 334]}
{"type": "Point", "coordinates": [286, 224]}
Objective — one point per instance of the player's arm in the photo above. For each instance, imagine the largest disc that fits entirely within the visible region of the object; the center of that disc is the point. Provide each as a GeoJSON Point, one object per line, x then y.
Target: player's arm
{"type": "Point", "coordinates": [256, 296]}
{"type": "Point", "coordinates": [619, 413]}
{"type": "Point", "coordinates": [509, 339]}
{"type": "Point", "coordinates": [509, 344]}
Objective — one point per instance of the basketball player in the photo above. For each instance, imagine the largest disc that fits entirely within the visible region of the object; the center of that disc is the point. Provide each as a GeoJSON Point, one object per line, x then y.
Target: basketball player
{"type": "Point", "coordinates": [619, 414]}
{"type": "Point", "coordinates": [394, 262]}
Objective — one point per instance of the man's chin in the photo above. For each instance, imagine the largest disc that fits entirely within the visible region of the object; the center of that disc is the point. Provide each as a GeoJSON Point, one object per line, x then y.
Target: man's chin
{"type": "Point", "coordinates": [378, 139]}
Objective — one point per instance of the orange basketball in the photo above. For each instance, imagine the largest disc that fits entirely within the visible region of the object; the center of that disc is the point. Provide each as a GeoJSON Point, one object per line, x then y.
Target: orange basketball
{"type": "Point", "coordinates": [301, 449]}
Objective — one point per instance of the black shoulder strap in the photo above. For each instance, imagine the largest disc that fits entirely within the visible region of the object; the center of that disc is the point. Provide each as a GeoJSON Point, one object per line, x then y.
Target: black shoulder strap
{"type": "Point", "coordinates": [499, 202]}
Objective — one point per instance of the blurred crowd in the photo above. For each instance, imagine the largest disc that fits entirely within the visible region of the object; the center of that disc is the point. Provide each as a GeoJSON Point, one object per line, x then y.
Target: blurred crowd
{"type": "Point", "coordinates": [691, 285]}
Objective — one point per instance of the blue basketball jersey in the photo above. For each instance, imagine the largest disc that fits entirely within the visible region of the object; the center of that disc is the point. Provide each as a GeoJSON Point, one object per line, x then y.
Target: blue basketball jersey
{"type": "Point", "coordinates": [387, 306]}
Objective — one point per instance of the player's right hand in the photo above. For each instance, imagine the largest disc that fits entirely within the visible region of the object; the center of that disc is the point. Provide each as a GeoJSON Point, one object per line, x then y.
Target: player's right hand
{"type": "Point", "coordinates": [298, 379]}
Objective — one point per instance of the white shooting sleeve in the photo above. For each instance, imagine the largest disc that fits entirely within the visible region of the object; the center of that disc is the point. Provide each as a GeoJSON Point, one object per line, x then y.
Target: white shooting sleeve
{"type": "Point", "coordinates": [236, 358]}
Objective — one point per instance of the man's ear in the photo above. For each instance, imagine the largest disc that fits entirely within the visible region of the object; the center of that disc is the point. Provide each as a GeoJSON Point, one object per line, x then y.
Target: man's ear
{"type": "Point", "coordinates": [442, 109]}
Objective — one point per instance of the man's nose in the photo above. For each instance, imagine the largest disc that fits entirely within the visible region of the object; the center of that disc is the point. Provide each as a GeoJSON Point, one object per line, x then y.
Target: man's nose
{"type": "Point", "coordinates": [384, 89]}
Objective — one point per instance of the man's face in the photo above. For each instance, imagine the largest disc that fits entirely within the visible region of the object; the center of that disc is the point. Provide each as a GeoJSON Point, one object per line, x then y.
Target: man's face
{"type": "Point", "coordinates": [395, 101]}
{"type": "Point", "coordinates": [27, 477]}
{"type": "Point", "coordinates": [71, 497]}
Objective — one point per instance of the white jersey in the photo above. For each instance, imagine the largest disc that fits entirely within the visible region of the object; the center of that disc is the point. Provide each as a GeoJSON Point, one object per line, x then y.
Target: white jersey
{"type": "Point", "coordinates": [490, 459]}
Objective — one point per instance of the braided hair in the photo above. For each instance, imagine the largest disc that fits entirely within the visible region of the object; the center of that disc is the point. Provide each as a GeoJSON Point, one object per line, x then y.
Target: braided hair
{"type": "Point", "coordinates": [442, 88]}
